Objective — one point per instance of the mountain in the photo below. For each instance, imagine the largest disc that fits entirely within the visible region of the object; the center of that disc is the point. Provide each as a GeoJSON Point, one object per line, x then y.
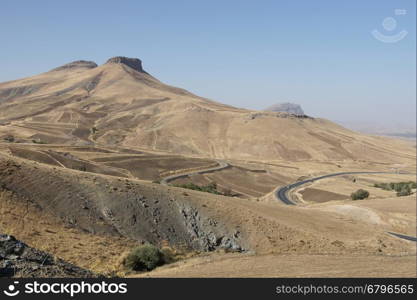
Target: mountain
{"type": "Point", "coordinates": [287, 107]}
{"type": "Point", "coordinates": [119, 103]}
{"type": "Point", "coordinates": [86, 151]}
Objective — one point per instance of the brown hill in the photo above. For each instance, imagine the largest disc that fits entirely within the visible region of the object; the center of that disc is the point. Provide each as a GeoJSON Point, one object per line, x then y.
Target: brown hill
{"type": "Point", "coordinates": [118, 103]}
{"type": "Point", "coordinates": [91, 220]}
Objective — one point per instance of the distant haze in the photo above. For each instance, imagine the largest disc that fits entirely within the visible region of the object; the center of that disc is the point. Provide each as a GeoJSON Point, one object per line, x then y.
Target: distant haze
{"type": "Point", "coordinates": [379, 128]}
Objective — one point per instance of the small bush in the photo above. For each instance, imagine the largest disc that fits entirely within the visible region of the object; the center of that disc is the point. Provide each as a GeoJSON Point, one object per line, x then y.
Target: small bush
{"type": "Point", "coordinates": [359, 194]}
{"type": "Point", "coordinates": [146, 257]}
{"type": "Point", "coordinates": [396, 186]}
{"type": "Point", "coordinates": [210, 188]}
{"type": "Point", "coordinates": [405, 191]}
{"type": "Point", "coordinates": [38, 142]}
{"type": "Point", "coordinates": [403, 188]}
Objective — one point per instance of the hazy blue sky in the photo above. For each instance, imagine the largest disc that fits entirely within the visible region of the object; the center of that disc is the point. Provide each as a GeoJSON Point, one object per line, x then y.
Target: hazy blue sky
{"type": "Point", "coordinates": [320, 54]}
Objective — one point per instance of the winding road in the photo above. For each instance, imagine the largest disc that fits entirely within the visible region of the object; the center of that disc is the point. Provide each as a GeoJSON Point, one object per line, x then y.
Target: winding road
{"type": "Point", "coordinates": [222, 165]}
{"type": "Point", "coordinates": [282, 194]}
{"type": "Point", "coordinates": [402, 236]}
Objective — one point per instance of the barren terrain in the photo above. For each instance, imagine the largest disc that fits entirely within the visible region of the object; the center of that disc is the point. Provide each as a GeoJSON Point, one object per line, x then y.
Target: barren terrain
{"type": "Point", "coordinates": [84, 148]}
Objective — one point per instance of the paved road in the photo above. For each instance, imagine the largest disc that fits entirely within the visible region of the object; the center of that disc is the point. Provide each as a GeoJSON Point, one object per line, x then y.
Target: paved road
{"type": "Point", "coordinates": [402, 236]}
{"type": "Point", "coordinates": [222, 165]}
{"type": "Point", "coordinates": [282, 194]}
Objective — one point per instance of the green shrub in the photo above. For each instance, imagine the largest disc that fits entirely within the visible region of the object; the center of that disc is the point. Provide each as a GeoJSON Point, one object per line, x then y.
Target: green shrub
{"type": "Point", "coordinates": [403, 188]}
{"type": "Point", "coordinates": [210, 188]}
{"type": "Point", "coordinates": [145, 257]}
{"type": "Point", "coordinates": [38, 142]}
{"type": "Point", "coordinates": [190, 186]}
{"type": "Point", "coordinates": [405, 191]}
{"type": "Point", "coordinates": [359, 194]}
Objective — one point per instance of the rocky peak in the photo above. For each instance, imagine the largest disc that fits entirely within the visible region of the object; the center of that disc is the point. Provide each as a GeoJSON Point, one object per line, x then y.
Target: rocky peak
{"type": "Point", "coordinates": [134, 63]}
{"type": "Point", "coordinates": [77, 64]}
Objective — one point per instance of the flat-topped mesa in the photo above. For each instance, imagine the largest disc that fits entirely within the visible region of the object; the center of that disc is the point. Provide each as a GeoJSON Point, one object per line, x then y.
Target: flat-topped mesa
{"type": "Point", "coordinates": [77, 64]}
{"type": "Point", "coordinates": [134, 63]}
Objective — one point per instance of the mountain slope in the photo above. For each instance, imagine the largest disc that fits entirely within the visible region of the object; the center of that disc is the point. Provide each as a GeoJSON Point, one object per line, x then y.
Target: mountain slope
{"type": "Point", "coordinates": [118, 103]}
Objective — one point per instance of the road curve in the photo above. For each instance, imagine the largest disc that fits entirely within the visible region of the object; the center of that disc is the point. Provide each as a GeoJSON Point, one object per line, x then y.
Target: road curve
{"type": "Point", "coordinates": [281, 195]}
{"type": "Point", "coordinates": [222, 165]}
{"type": "Point", "coordinates": [404, 237]}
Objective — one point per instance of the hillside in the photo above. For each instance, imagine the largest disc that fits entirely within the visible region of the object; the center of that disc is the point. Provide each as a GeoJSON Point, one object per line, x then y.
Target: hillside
{"type": "Point", "coordinates": [92, 220]}
{"type": "Point", "coordinates": [119, 103]}
{"type": "Point", "coordinates": [86, 150]}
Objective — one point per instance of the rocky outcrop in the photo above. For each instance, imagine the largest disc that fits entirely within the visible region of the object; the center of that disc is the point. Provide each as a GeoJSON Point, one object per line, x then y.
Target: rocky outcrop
{"type": "Point", "coordinates": [134, 63]}
{"type": "Point", "coordinates": [287, 107]}
{"type": "Point", "coordinates": [19, 260]}
{"type": "Point", "coordinates": [208, 234]}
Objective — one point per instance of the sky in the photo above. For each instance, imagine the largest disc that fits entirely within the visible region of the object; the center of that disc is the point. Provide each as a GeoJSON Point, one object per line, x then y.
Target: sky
{"type": "Point", "coordinates": [251, 54]}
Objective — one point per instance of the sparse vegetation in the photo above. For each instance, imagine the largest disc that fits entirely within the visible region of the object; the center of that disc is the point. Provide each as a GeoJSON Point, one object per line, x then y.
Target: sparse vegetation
{"type": "Point", "coordinates": [359, 194]}
{"type": "Point", "coordinates": [405, 191]}
{"type": "Point", "coordinates": [94, 130]}
{"type": "Point", "coordinates": [9, 138]}
{"type": "Point", "coordinates": [147, 257]}
{"type": "Point", "coordinates": [403, 188]}
{"type": "Point", "coordinates": [38, 141]}
{"type": "Point", "coordinates": [210, 188]}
